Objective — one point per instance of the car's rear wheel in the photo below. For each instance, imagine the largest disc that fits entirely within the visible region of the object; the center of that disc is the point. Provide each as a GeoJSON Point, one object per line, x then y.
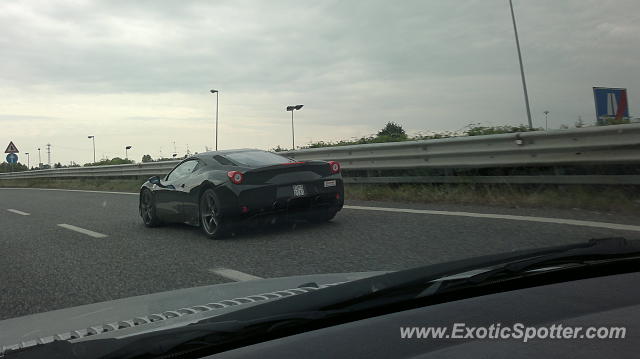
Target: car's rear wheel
{"type": "Point", "coordinates": [148, 209]}
{"type": "Point", "coordinates": [210, 216]}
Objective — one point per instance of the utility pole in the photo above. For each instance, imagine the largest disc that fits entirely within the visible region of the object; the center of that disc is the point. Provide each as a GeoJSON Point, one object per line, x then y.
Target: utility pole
{"type": "Point", "coordinates": [293, 136]}
{"type": "Point", "coordinates": [93, 139]}
{"type": "Point", "coordinates": [217, 95]}
{"type": "Point", "coordinates": [49, 154]}
{"type": "Point", "coordinates": [546, 120]}
{"type": "Point", "coordinates": [524, 82]}
{"type": "Point", "coordinates": [39, 160]}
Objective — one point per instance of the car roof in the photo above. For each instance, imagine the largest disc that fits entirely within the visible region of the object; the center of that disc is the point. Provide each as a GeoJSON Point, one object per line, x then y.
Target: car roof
{"type": "Point", "coordinates": [210, 154]}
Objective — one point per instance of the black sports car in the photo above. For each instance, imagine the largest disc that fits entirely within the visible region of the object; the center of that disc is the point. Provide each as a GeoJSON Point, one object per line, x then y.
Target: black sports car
{"type": "Point", "coordinates": [217, 190]}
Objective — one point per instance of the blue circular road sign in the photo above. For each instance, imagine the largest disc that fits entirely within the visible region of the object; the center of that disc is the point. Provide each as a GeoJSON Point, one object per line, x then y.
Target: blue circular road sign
{"type": "Point", "coordinates": [12, 158]}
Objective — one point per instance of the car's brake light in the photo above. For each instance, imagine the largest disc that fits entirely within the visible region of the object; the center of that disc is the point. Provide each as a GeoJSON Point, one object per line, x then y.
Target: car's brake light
{"type": "Point", "coordinates": [334, 167]}
{"type": "Point", "coordinates": [235, 176]}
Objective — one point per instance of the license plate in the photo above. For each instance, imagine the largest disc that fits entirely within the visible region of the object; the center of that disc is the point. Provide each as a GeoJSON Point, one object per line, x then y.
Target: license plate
{"type": "Point", "coordinates": [298, 190]}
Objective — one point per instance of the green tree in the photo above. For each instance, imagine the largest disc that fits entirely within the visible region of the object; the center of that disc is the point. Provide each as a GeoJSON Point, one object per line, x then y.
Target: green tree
{"type": "Point", "coordinates": [16, 167]}
{"type": "Point", "coordinates": [392, 130]}
{"type": "Point", "coordinates": [147, 158]}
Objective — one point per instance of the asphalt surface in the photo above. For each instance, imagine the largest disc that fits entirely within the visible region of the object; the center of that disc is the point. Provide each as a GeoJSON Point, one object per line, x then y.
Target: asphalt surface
{"type": "Point", "coordinates": [45, 266]}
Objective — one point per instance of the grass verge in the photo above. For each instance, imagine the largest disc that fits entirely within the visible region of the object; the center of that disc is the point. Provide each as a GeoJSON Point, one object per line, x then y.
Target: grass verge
{"type": "Point", "coordinates": [624, 199]}
{"type": "Point", "coordinates": [93, 184]}
{"type": "Point", "coordinates": [621, 199]}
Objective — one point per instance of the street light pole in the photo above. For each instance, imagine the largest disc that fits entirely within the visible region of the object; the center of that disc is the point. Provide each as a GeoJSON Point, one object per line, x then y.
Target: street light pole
{"type": "Point", "coordinates": [93, 138]}
{"type": "Point", "coordinates": [126, 152]}
{"type": "Point", "coordinates": [293, 137]}
{"type": "Point", "coordinates": [28, 163]}
{"type": "Point", "coordinates": [39, 160]}
{"type": "Point", "coordinates": [524, 82]}
{"type": "Point", "coordinates": [216, 92]}
{"type": "Point", "coordinates": [546, 120]}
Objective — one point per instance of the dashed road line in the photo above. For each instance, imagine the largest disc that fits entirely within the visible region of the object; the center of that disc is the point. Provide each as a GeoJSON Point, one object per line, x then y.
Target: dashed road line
{"type": "Point", "coordinates": [82, 230]}
{"type": "Point", "coordinates": [18, 212]}
{"type": "Point", "coordinates": [233, 274]}
{"type": "Point", "coordinates": [573, 222]}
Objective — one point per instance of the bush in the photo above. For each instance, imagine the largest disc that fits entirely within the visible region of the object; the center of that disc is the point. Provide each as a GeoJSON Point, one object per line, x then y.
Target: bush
{"type": "Point", "coordinates": [393, 132]}
{"type": "Point", "coordinates": [476, 130]}
{"type": "Point", "coordinates": [106, 162]}
{"type": "Point", "coordinates": [16, 167]}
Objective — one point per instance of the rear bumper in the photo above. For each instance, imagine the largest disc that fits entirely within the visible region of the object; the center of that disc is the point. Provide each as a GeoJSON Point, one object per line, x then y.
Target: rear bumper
{"type": "Point", "coordinates": [241, 202]}
{"type": "Point", "coordinates": [295, 207]}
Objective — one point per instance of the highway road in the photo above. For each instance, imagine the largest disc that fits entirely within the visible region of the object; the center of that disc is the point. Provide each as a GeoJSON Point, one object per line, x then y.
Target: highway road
{"type": "Point", "coordinates": [66, 248]}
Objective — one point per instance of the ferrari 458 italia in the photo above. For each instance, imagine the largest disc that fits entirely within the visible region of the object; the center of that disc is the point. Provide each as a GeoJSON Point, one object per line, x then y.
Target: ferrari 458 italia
{"type": "Point", "coordinates": [219, 190]}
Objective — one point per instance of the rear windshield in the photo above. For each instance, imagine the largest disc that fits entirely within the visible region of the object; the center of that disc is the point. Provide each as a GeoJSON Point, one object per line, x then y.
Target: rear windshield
{"type": "Point", "coordinates": [256, 158]}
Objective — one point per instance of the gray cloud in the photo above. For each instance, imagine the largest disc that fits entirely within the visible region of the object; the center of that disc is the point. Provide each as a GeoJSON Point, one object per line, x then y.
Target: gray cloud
{"type": "Point", "coordinates": [427, 64]}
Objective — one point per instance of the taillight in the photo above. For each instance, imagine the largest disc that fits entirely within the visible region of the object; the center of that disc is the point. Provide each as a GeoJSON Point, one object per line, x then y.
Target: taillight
{"type": "Point", "coordinates": [235, 176]}
{"type": "Point", "coordinates": [334, 167]}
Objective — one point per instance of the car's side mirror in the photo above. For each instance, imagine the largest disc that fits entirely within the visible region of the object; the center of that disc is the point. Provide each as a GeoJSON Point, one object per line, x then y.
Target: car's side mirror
{"type": "Point", "coordinates": [154, 180]}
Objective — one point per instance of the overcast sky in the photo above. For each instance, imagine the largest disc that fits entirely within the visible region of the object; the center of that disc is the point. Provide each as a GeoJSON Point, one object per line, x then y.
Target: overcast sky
{"type": "Point", "coordinates": [139, 72]}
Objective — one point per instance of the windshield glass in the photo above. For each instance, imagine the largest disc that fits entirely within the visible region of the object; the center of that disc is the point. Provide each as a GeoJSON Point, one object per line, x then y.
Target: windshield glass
{"type": "Point", "coordinates": [196, 157]}
{"type": "Point", "coordinates": [256, 158]}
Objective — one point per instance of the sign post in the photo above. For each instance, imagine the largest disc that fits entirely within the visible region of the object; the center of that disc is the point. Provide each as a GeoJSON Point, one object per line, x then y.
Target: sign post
{"type": "Point", "coordinates": [12, 158]}
{"type": "Point", "coordinates": [611, 105]}
{"type": "Point", "coordinates": [11, 148]}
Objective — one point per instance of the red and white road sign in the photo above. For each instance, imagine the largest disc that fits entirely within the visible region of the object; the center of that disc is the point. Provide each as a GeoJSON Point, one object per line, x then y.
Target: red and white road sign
{"type": "Point", "coordinates": [11, 148]}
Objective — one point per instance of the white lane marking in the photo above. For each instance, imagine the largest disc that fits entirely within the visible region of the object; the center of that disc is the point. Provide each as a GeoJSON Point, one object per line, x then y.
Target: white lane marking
{"type": "Point", "coordinates": [82, 230]}
{"type": "Point", "coordinates": [233, 274]}
{"type": "Point", "coordinates": [18, 212]}
{"type": "Point", "coordinates": [69, 190]}
{"type": "Point", "coordinates": [573, 222]}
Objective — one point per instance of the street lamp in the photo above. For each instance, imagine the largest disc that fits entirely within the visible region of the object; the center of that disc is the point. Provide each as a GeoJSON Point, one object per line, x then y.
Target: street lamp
{"type": "Point", "coordinates": [39, 160]}
{"type": "Point", "coordinates": [546, 120]}
{"type": "Point", "coordinates": [27, 153]}
{"type": "Point", "coordinates": [126, 152]}
{"type": "Point", "coordinates": [524, 83]}
{"type": "Point", "coordinates": [293, 137]}
{"type": "Point", "coordinates": [217, 93]}
{"type": "Point", "coordinates": [93, 138]}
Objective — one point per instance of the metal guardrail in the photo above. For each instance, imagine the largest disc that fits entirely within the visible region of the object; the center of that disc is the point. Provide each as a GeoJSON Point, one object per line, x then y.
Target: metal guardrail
{"type": "Point", "coordinates": [562, 179]}
{"type": "Point", "coordinates": [617, 144]}
{"type": "Point", "coordinates": [138, 169]}
{"type": "Point", "coordinates": [591, 145]}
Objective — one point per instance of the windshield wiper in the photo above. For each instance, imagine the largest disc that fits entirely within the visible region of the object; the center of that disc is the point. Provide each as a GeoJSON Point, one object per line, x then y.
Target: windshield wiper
{"type": "Point", "coordinates": [576, 257]}
{"type": "Point", "coordinates": [344, 302]}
